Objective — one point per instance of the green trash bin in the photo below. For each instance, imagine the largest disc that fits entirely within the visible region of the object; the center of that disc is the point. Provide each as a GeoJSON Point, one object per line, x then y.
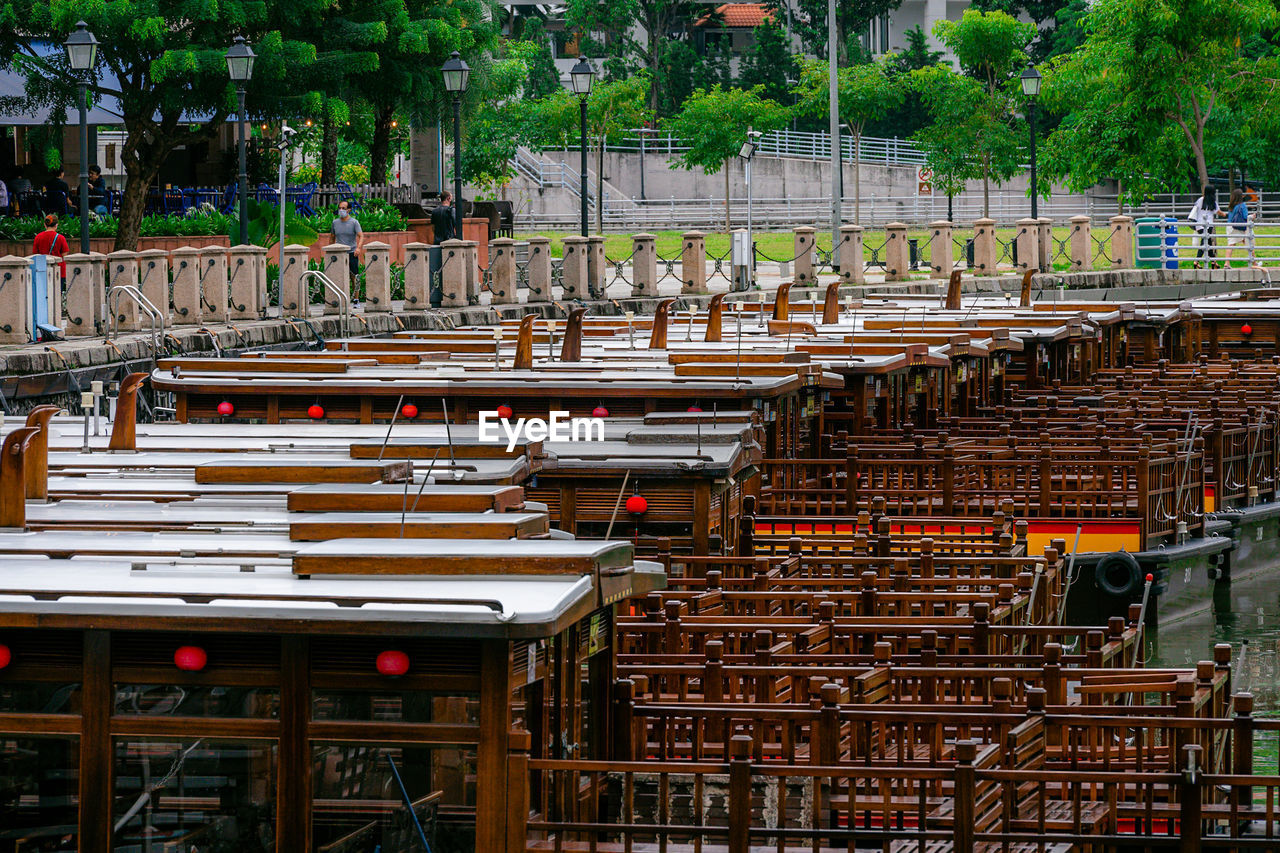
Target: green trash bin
{"type": "Point", "coordinates": [1150, 242]}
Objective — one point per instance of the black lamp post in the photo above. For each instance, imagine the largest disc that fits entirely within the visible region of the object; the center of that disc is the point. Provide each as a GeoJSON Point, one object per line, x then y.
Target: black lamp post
{"type": "Point", "coordinates": [581, 77]}
{"type": "Point", "coordinates": [82, 51]}
{"type": "Point", "coordinates": [240, 66]}
{"type": "Point", "coordinates": [1031, 88]}
{"type": "Point", "coordinates": [456, 71]}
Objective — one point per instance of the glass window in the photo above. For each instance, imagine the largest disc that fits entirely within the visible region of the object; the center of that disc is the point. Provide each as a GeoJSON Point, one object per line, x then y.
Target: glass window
{"type": "Point", "coordinates": [39, 785]}
{"type": "Point", "coordinates": [188, 700]}
{"type": "Point", "coordinates": [408, 706]}
{"type": "Point", "coordinates": [37, 697]}
{"type": "Point", "coordinates": [358, 804]}
{"type": "Point", "coordinates": [194, 794]}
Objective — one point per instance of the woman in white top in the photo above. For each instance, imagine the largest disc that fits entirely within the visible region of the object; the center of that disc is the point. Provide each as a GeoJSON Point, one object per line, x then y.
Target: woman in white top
{"type": "Point", "coordinates": [1201, 216]}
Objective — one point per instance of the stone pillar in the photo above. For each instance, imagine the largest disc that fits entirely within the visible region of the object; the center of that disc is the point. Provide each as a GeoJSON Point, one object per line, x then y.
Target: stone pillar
{"type": "Point", "coordinates": [83, 302]}
{"type": "Point", "coordinates": [213, 284]}
{"type": "Point", "coordinates": [597, 267]}
{"type": "Point", "coordinates": [15, 300]}
{"type": "Point", "coordinates": [471, 264]}
{"type": "Point", "coordinates": [1027, 243]}
{"type": "Point", "coordinates": [941, 250]}
{"type": "Point", "coordinates": [153, 280]}
{"type": "Point", "coordinates": [294, 289]}
{"type": "Point", "coordinates": [1044, 236]}
{"type": "Point", "coordinates": [242, 275]}
{"type": "Point", "coordinates": [1081, 243]}
{"type": "Point", "coordinates": [377, 277]}
{"type": "Point", "coordinates": [122, 270]}
{"type": "Point", "coordinates": [186, 285]}
{"type": "Point", "coordinates": [1122, 242]}
{"type": "Point", "coordinates": [539, 269]}
{"type": "Point", "coordinates": [693, 262]}
{"type": "Point", "coordinates": [897, 254]}
{"type": "Point", "coordinates": [502, 271]}
{"type": "Point", "coordinates": [337, 266]}
{"type": "Point", "coordinates": [644, 265]}
{"type": "Point", "coordinates": [453, 273]}
{"type": "Point", "coordinates": [802, 242]}
{"type": "Point", "coordinates": [984, 247]}
{"type": "Point", "coordinates": [574, 278]}
{"type": "Point", "coordinates": [417, 276]}
{"type": "Point", "coordinates": [850, 257]}
{"type": "Point", "coordinates": [98, 262]}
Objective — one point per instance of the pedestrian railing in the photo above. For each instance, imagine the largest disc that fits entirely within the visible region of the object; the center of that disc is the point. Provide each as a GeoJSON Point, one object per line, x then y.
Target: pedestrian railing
{"type": "Point", "coordinates": [1172, 243]}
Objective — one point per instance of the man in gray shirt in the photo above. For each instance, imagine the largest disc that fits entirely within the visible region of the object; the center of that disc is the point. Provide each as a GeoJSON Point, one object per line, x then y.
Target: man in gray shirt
{"type": "Point", "coordinates": [347, 231]}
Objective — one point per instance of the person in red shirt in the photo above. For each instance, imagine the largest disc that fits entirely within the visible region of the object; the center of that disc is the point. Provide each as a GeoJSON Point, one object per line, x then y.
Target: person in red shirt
{"type": "Point", "coordinates": [50, 242]}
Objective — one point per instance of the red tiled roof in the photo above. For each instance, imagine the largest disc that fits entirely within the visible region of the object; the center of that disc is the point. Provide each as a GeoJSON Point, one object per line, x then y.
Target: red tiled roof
{"type": "Point", "coordinates": [738, 15]}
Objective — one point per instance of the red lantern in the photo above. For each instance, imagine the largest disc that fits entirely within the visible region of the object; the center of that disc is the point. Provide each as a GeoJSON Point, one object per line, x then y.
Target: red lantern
{"type": "Point", "coordinates": [1246, 329]}
{"type": "Point", "coordinates": [315, 411]}
{"type": "Point", "coordinates": [409, 410]}
{"type": "Point", "coordinates": [505, 412]}
{"type": "Point", "coordinates": [226, 409]}
{"type": "Point", "coordinates": [392, 662]}
{"type": "Point", "coordinates": [636, 505]}
{"type": "Point", "coordinates": [190, 658]}
{"type": "Point", "coordinates": [599, 412]}
{"type": "Point", "coordinates": [5, 656]}
{"type": "Point", "coordinates": [693, 409]}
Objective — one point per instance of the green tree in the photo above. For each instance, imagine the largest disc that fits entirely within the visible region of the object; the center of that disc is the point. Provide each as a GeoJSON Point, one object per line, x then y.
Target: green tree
{"type": "Point", "coordinates": [866, 93]}
{"type": "Point", "coordinates": [1170, 63]}
{"type": "Point", "coordinates": [499, 123]}
{"type": "Point", "coordinates": [910, 116]}
{"type": "Point", "coordinates": [169, 59]}
{"type": "Point", "coordinates": [543, 78]}
{"type": "Point", "coordinates": [715, 122]}
{"type": "Point", "coordinates": [769, 62]}
{"type": "Point", "coordinates": [809, 20]}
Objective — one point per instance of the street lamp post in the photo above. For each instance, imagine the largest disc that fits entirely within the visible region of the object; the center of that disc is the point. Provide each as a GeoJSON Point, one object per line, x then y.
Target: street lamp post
{"type": "Point", "coordinates": [1031, 88]}
{"type": "Point", "coordinates": [82, 51]}
{"type": "Point", "coordinates": [456, 72]}
{"type": "Point", "coordinates": [240, 68]}
{"type": "Point", "coordinates": [581, 76]}
{"type": "Point", "coordinates": [747, 152]}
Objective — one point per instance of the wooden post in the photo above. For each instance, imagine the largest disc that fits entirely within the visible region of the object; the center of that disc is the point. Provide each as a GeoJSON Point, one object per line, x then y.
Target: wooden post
{"type": "Point", "coordinates": [13, 478]}
{"type": "Point", "coordinates": [1189, 792]}
{"type": "Point", "coordinates": [519, 743]}
{"type": "Point", "coordinates": [37, 457]}
{"type": "Point", "coordinates": [1242, 726]}
{"type": "Point", "coordinates": [715, 319]}
{"type": "Point", "coordinates": [124, 431]}
{"type": "Point", "coordinates": [658, 335]}
{"type": "Point", "coordinates": [739, 794]}
{"type": "Point", "coordinates": [624, 707]}
{"type": "Point", "coordinates": [966, 793]}
{"type": "Point", "coordinates": [828, 751]}
{"type": "Point", "coordinates": [571, 348]}
{"type": "Point", "coordinates": [941, 249]}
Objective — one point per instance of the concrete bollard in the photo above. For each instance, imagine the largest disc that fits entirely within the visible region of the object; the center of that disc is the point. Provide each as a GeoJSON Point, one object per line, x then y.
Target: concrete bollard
{"type": "Point", "coordinates": [83, 302]}
{"type": "Point", "coordinates": [941, 250]}
{"type": "Point", "coordinates": [644, 265]}
{"type": "Point", "coordinates": [242, 277]}
{"type": "Point", "coordinates": [337, 267]}
{"type": "Point", "coordinates": [850, 256]}
{"type": "Point", "coordinates": [122, 270]}
{"type": "Point", "coordinates": [802, 242]}
{"type": "Point", "coordinates": [186, 284]}
{"type": "Point", "coordinates": [213, 284]}
{"type": "Point", "coordinates": [153, 280]}
{"type": "Point", "coordinates": [693, 262]}
{"type": "Point", "coordinates": [574, 271]}
{"type": "Point", "coordinates": [1044, 236]}
{"type": "Point", "coordinates": [15, 300]}
{"type": "Point", "coordinates": [502, 271]}
{"type": "Point", "coordinates": [897, 254]}
{"type": "Point", "coordinates": [539, 270]}
{"type": "Point", "coordinates": [597, 267]}
{"type": "Point", "coordinates": [984, 247]}
{"type": "Point", "coordinates": [1122, 242]}
{"type": "Point", "coordinates": [1081, 243]}
{"type": "Point", "coordinates": [377, 277]}
{"type": "Point", "coordinates": [295, 298]}
{"type": "Point", "coordinates": [1027, 242]}
{"type": "Point", "coordinates": [98, 261]}
{"type": "Point", "coordinates": [471, 265]}
{"type": "Point", "coordinates": [453, 273]}
{"type": "Point", "coordinates": [417, 276]}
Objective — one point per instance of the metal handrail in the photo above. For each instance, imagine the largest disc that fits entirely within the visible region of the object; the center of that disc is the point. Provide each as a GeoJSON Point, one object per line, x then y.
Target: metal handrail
{"type": "Point", "coordinates": [156, 317]}
{"type": "Point", "coordinates": [344, 299]}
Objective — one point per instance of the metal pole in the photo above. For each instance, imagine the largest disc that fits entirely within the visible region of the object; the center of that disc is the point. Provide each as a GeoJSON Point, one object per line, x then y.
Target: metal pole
{"type": "Point", "coordinates": [284, 152]}
{"type": "Point", "coordinates": [244, 170]}
{"type": "Point", "coordinates": [582, 104]}
{"type": "Point", "coordinates": [84, 167]}
{"type": "Point", "coordinates": [1031, 123]}
{"type": "Point", "coordinates": [457, 167]}
{"type": "Point", "coordinates": [837, 177]}
{"type": "Point", "coordinates": [642, 135]}
{"type": "Point", "coordinates": [751, 240]}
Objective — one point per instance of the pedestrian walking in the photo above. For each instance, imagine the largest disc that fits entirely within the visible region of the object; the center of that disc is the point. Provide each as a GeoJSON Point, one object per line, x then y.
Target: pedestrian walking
{"type": "Point", "coordinates": [1239, 226]}
{"type": "Point", "coordinates": [50, 242]}
{"type": "Point", "coordinates": [442, 219]}
{"type": "Point", "coordinates": [347, 231]}
{"type": "Point", "coordinates": [1202, 215]}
